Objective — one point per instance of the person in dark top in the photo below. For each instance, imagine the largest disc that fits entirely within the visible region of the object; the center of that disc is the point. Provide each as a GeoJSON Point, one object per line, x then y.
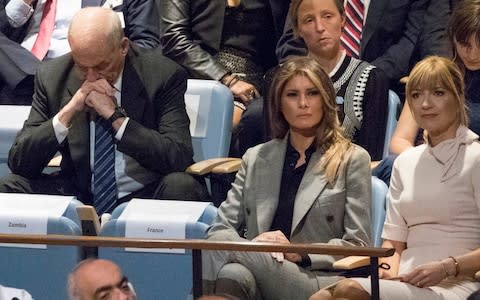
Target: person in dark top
{"type": "Point", "coordinates": [390, 33]}
{"type": "Point", "coordinates": [361, 88]}
{"type": "Point", "coordinates": [309, 184]}
{"type": "Point", "coordinates": [230, 41]}
{"type": "Point", "coordinates": [464, 34]}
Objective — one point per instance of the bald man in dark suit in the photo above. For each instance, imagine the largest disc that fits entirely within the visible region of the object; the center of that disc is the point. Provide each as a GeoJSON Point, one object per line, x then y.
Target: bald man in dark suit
{"type": "Point", "coordinates": [139, 93]}
{"type": "Point", "coordinates": [18, 65]}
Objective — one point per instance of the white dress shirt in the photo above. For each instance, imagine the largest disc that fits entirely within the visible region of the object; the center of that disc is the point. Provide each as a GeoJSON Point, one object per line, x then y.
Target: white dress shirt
{"type": "Point", "coordinates": [130, 175]}
{"type": "Point", "coordinates": [18, 13]}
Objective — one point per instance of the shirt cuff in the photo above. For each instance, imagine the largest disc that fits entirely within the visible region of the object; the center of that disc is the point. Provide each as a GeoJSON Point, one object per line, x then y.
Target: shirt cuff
{"type": "Point", "coordinates": [60, 130]}
{"type": "Point", "coordinates": [121, 130]}
{"type": "Point", "coordinates": [18, 12]}
{"type": "Point", "coordinates": [394, 232]}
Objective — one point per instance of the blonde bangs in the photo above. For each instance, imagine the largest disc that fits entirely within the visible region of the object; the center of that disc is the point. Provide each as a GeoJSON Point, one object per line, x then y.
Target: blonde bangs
{"type": "Point", "coordinates": [439, 72]}
{"type": "Point", "coordinates": [429, 77]}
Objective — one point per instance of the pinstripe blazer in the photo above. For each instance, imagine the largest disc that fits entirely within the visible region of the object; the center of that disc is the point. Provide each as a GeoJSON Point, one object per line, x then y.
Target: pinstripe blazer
{"type": "Point", "coordinates": [337, 214]}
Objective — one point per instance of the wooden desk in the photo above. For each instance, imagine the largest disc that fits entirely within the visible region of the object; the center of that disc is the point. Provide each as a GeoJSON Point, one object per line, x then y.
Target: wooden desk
{"type": "Point", "coordinates": [198, 245]}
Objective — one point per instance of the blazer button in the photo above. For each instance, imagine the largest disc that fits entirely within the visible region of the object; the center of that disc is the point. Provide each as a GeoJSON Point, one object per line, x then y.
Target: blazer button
{"type": "Point", "coordinates": [248, 211]}
{"type": "Point", "coordinates": [330, 219]}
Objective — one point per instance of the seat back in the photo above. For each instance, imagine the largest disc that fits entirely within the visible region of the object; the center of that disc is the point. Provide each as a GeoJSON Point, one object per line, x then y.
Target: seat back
{"type": "Point", "coordinates": [392, 117]}
{"type": "Point", "coordinates": [210, 108]}
{"type": "Point", "coordinates": [156, 275]}
{"type": "Point", "coordinates": [43, 271]}
{"type": "Point", "coordinates": [12, 118]}
{"type": "Point", "coordinates": [379, 196]}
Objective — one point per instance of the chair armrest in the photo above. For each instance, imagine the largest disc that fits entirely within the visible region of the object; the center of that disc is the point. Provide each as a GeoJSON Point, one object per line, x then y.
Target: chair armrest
{"type": "Point", "coordinates": [228, 167]}
{"type": "Point", "coordinates": [89, 219]}
{"type": "Point", "coordinates": [351, 262]}
{"type": "Point", "coordinates": [206, 166]}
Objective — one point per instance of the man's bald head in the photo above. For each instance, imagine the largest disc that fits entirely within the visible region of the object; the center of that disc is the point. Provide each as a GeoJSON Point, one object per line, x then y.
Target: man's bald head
{"type": "Point", "coordinates": [95, 279]}
{"type": "Point", "coordinates": [94, 27]}
{"type": "Point", "coordinates": [97, 43]}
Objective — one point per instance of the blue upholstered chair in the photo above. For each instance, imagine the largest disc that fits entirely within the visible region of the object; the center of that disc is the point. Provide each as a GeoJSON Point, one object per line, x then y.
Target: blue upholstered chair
{"type": "Point", "coordinates": [379, 197]}
{"type": "Point", "coordinates": [43, 272]}
{"type": "Point", "coordinates": [210, 108]}
{"type": "Point", "coordinates": [209, 105]}
{"type": "Point", "coordinates": [156, 275]}
{"type": "Point", "coordinates": [356, 265]}
{"type": "Point", "coordinates": [11, 121]}
{"type": "Point", "coordinates": [392, 118]}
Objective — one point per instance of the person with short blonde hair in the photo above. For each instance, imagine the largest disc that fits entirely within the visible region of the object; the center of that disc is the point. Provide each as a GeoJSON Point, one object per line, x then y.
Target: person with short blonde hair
{"type": "Point", "coordinates": [432, 221]}
{"type": "Point", "coordinates": [464, 37]}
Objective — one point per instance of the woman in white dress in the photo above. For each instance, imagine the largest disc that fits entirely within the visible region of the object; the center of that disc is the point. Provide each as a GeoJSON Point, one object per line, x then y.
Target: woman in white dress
{"type": "Point", "coordinates": [433, 218]}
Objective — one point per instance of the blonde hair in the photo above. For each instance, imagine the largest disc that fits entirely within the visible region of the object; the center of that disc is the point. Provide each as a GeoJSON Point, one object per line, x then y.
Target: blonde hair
{"type": "Point", "coordinates": [329, 135]}
{"type": "Point", "coordinates": [436, 71]}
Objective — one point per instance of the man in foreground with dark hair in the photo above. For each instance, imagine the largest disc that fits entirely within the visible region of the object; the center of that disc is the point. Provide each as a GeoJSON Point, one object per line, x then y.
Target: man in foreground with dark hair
{"type": "Point", "coordinates": [94, 279]}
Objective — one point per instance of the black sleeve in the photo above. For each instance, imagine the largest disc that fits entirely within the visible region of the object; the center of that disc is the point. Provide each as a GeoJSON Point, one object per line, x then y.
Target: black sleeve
{"type": "Point", "coordinates": [395, 61]}
{"type": "Point", "coordinates": [434, 39]}
{"type": "Point", "coordinates": [371, 135]}
{"type": "Point", "coordinates": [288, 44]}
{"type": "Point", "coordinates": [167, 147]}
{"type": "Point", "coordinates": [141, 22]}
{"type": "Point", "coordinates": [179, 44]}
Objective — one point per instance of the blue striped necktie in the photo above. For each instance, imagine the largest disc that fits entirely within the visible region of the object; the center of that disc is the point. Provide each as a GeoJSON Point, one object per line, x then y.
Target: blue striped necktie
{"type": "Point", "coordinates": [104, 183]}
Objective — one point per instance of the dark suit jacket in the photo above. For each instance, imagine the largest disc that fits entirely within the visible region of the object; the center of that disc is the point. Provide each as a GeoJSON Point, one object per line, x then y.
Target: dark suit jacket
{"type": "Point", "coordinates": [191, 32]}
{"type": "Point", "coordinates": [389, 36]}
{"type": "Point", "coordinates": [157, 135]}
{"type": "Point", "coordinates": [16, 63]}
{"type": "Point", "coordinates": [434, 38]}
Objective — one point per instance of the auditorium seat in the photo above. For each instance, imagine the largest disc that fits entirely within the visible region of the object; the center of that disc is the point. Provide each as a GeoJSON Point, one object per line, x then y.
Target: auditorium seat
{"type": "Point", "coordinates": [41, 271]}
{"type": "Point", "coordinates": [156, 275]}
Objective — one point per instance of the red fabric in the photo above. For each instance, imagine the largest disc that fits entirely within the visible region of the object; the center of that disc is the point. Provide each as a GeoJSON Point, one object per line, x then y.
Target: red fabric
{"type": "Point", "coordinates": [47, 24]}
{"type": "Point", "coordinates": [352, 31]}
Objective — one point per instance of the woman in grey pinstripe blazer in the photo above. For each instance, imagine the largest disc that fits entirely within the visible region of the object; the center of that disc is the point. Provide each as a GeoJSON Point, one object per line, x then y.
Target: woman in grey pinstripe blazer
{"type": "Point", "coordinates": [308, 185]}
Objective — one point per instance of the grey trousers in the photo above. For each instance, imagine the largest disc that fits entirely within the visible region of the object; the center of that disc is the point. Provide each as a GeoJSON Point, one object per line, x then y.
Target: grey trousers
{"type": "Point", "coordinates": [254, 275]}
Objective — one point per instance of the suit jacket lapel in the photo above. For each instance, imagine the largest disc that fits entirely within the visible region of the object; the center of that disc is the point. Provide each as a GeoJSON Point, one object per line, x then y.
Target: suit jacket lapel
{"type": "Point", "coordinates": [374, 15]}
{"type": "Point", "coordinates": [268, 193]}
{"type": "Point", "coordinates": [311, 186]}
{"type": "Point", "coordinates": [132, 88]}
{"type": "Point", "coordinates": [79, 134]}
